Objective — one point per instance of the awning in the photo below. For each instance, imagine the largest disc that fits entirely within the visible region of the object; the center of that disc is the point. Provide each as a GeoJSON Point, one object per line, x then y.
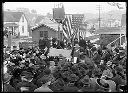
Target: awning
{"type": "Point", "coordinates": [110, 30]}
{"type": "Point", "coordinates": [10, 24]}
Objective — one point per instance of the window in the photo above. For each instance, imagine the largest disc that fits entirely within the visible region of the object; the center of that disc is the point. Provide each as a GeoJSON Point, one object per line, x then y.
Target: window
{"type": "Point", "coordinates": [45, 34]}
{"type": "Point", "coordinates": [22, 29]}
{"type": "Point", "coordinates": [41, 34]}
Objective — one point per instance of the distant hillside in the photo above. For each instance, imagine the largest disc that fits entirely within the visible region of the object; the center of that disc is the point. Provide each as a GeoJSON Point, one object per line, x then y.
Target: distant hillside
{"type": "Point", "coordinates": [116, 14]}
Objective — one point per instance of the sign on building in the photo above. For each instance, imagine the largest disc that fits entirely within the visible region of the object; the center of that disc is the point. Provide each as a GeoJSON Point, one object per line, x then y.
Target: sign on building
{"type": "Point", "coordinates": [57, 52]}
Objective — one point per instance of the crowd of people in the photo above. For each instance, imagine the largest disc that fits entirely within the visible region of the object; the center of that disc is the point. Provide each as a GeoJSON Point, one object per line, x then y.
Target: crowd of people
{"type": "Point", "coordinates": [90, 69]}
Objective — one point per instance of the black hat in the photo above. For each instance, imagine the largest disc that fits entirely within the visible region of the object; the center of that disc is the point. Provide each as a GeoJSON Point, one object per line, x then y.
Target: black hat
{"type": "Point", "coordinates": [14, 46]}
{"type": "Point", "coordinates": [121, 49]}
{"type": "Point", "coordinates": [104, 48]}
{"type": "Point", "coordinates": [44, 79]}
{"type": "Point", "coordinates": [93, 49]}
{"type": "Point", "coordinates": [4, 46]}
{"type": "Point", "coordinates": [85, 80]}
{"type": "Point", "coordinates": [73, 77]}
{"type": "Point", "coordinates": [47, 71]}
{"type": "Point", "coordinates": [27, 74]}
{"type": "Point", "coordinates": [117, 50]}
{"type": "Point", "coordinates": [119, 69]}
{"type": "Point", "coordinates": [28, 56]}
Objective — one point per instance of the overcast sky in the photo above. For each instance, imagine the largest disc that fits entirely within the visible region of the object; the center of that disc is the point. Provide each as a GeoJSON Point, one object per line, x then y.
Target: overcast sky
{"type": "Point", "coordinates": [70, 7]}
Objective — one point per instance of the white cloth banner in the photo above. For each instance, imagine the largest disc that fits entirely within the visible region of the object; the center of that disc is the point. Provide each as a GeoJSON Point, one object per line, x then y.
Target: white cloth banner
{"type": "Point", "coordinates": [56, 52]}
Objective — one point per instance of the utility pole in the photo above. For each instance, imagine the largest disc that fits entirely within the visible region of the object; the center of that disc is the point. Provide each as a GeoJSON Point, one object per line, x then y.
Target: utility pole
{"type": "Point", "coordinates": [110, 19]}
{"type": "Point", "coordinates": [99, 9]}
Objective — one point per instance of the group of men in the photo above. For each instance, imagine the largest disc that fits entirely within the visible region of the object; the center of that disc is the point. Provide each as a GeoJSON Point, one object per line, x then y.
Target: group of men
{"type": "Point", "coordinates": [90, 69]}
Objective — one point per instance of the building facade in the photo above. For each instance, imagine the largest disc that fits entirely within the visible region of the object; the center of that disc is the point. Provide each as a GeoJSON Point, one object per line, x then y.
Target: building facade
{"type": "Point", "coordinates": [45, 32]}
{"type": "Point", "coordinates": [16, 22]}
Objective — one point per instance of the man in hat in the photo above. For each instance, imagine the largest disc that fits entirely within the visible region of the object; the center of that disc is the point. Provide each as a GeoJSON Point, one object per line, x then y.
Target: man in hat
{"type": "Point", "coordinates": [57, 85]}
{"type": "Point", "coordinates": [75, 53]}
{"type": "Point", "coordinates": [42, 43]}
{"type": "Point", "coordinates": [70, 87]}
{"type": "Point", "coordinates": [7, 87]}
{"type": "Point", "coordinates": [44, 71]}
{"type": "Point", "coordinates": [116, 56]}
{"type": "Point", "coordinates": [95, 56]}
{"type": "Point", "coordinates": [86, 84]}
{"type": "Point", "coordinates": [45, 81]}
{"type": "Point", "coordinates": [76, 41]}
{"type": "Point", "coordinates": [26, 83]}
{"type": "Point", "coordinates": [52, 66]}
{"type": "Point", "coordinates": [118, 79]}
{"type": "Point", "coordinates": [106, 56]}
{"type": "Point", "coordinates": [14, 50]}
{"type": "Point", "coordinates": [122, 54]}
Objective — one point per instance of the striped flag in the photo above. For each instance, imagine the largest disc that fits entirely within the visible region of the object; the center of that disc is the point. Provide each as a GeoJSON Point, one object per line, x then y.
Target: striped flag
{"type": "Point", "coordinates": [71, 25]}
{"type": "Point", "coordinates": [65, 32]}
{"type": "Point", "coordinates": [76, 21]}
{"type": "Point", "coordinates": [65, 29]}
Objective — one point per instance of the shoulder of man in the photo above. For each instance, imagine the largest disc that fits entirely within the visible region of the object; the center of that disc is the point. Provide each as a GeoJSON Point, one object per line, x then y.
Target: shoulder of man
{"type": "Point", "coordinates": [42, 89]}
{"type": "Point", "coordinates": [9, 88]}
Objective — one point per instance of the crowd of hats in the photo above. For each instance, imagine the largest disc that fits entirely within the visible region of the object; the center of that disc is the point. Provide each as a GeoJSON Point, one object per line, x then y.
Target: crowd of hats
{"type": "Point", "coordinates": [31, 62]}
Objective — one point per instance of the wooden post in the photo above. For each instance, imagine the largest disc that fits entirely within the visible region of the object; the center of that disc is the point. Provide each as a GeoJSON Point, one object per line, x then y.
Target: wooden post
{"type": "Point", "coordinates": [9, 39]}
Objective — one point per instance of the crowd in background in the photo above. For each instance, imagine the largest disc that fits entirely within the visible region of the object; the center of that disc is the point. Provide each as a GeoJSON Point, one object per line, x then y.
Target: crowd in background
{"type": "Point", "coordinates": [91, 69]}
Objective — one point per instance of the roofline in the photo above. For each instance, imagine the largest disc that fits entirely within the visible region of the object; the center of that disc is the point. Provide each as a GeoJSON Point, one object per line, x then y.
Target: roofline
{"type": "Point", "coordinates": [25, 17]}
{"type": "Point", "coordinates": [16, 11]}
{"type": "Point", "coordinates": [110, 32]}
{"type": "Point", "coordinates": [42, 25]}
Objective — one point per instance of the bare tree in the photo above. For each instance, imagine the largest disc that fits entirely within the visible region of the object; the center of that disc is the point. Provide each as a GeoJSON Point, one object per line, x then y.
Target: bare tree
{"type": "Point", "coordinates": [118, 5]}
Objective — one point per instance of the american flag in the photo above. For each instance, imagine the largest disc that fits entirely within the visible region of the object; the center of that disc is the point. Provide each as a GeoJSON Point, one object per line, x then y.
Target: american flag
{"type": "Point", "coordinates": [71, 24]}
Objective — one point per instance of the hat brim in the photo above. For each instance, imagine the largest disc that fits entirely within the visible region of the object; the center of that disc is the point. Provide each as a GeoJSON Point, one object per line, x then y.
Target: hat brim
{"type": "Point", "coordinates": [76, 46]}
{"type": "Point", "coordinates": [101, 85]}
